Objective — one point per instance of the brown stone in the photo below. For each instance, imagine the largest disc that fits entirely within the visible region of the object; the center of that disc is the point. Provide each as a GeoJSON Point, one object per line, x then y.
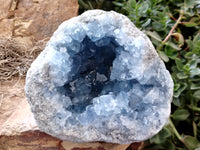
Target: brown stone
{"type": "Point", "coordinates": [41, 18]}
{"type": "Point", "coordinates": [93, 146]}
{"type": "Point", "coordinates": [15, 114]}
{"type": "Point", "coordinates": [36, 140]}
{"type": "Point", "coordinates": [4, 8]}
{"type": "Point", "coordinates": [6, 26]}
{"type": "Point", "coordinates": [34, 20]}
{"type": "Point", "coordinates": [137, 146]}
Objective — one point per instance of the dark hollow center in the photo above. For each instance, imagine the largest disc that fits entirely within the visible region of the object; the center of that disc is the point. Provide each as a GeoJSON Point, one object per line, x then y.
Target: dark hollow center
{"type": "Point", "coordinates": [91, 70]}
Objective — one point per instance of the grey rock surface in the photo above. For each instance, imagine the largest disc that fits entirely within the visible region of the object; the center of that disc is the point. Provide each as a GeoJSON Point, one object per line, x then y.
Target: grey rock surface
{"type": "Point", "coordinates": [99, 79]}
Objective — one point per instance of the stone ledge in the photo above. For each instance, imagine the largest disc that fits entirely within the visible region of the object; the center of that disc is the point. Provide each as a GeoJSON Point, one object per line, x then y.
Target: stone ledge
{"type": "Point", "coordinates": [36, 140]}
{"type": "Point", "coordinates": [18, 129]}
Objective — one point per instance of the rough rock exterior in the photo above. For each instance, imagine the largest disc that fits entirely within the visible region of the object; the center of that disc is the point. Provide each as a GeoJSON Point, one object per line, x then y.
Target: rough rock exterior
{"type": "Point", "coordinates": [99, 79]}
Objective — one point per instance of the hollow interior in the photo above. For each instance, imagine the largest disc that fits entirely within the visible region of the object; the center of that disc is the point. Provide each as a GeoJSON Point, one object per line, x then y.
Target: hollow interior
{"type": "Point", "coordinates": [90, 72]}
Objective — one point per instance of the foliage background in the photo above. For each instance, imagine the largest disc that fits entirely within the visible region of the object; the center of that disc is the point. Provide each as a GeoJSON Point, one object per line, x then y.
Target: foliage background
{"type": "Point", "coordinates": [174, 28]}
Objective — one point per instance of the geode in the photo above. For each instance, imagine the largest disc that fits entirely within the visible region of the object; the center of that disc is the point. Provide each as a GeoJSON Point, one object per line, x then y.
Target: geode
{"type": "Point", "coordinates": [99, 79]}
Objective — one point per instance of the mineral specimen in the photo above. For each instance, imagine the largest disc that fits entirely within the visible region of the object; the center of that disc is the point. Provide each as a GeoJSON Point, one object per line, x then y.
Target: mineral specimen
{"type": "Point", "coordinates": [99, 79]}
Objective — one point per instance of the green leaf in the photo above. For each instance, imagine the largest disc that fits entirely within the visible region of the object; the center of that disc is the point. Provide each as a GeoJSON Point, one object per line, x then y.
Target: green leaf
{"type": "Point", "coordinates": [190, 24]}
{"type": "Point", "coordinates": [145, 24]}
{"type": "Point", "coordinates": [189, 55]}
{"type": "Point", "coordinates": [197, 48]}
{"type": "Point", "coordinates": [161, 136]}
{"type": "Point", "coordinates": [173, 45]}
{"type": "Point", "coordinates": [182, 75]}
{"type": "Point", "coordinates": [190, 3]}
{"type": "Point", "coordinates": [133, 3]}
{"type": "Point", "coordinates": [154, 35]}
{"type": "Point", "coordinates": [165, 132]}
{"type": "Point", "coordinates": [195, 79]}
{"type": "Point", "coordinates": [190, 44]}
{"type": "Point", "coordinates": [195, 19]}
{"type": "Point", "coordinates": [176, 102]}
{"type": "Point", "coordinates": [186, 68]}
{"type": "Point", "coordinates": [195, 86]}
{"type": "Point", "coordinates": [143, 8]}
{"type": "Point", "coordinates": [179, 64]}
{"type": "Point", "coordinates": [163, 56]}
{"type": "Point", "coordinates": [194, 108]}
{"type": "Point", "coordinates": [176, 87]}
{"type": "Point", "coordinates": [157, 26]}
{"type": "Point", "coordinates": [191, 142]}
{"type": "Point", "coordinates": [180, 114]}
{"type": "Point", "coordinates": [194, 129]}
{"type": "Point", "coordinates": [83, 4]}
{"type": "Point", "coordinates": [193, 63]}
{"type": "Point", "coordinates": [197, 94]}
{"type": "Point", "coordinates": [170, 52]}
{"type": "Point", "coordinates": [196, 38]}
{"type": "Point", "coordinates": [180, 90]}
{"type": "Point", "coordinates": [168, 145]}
{"type": "Point", "coordinates": [195, 71]}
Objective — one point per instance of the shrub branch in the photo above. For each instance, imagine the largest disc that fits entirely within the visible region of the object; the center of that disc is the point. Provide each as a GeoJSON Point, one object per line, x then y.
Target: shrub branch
{"type": "Point", "coordinates": [173, 28]}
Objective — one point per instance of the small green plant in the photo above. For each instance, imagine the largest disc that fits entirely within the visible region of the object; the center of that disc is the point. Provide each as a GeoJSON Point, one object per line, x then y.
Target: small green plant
{"type": "Point", "coordinates": [174, 29]}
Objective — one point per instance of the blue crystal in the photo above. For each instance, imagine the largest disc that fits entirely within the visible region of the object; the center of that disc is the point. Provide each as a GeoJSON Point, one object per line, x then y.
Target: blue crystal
{"type": "Point", "coordinates": [99, 79]}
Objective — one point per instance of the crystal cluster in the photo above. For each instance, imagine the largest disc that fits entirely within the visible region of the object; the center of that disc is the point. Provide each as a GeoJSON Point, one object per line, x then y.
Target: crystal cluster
{"type": "Point", "coordinates": [99, 79]}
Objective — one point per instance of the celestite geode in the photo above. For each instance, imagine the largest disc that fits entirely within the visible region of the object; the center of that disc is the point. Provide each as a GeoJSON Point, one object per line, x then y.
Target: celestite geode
{"type": "Point", "coordinates": [99, 79]}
